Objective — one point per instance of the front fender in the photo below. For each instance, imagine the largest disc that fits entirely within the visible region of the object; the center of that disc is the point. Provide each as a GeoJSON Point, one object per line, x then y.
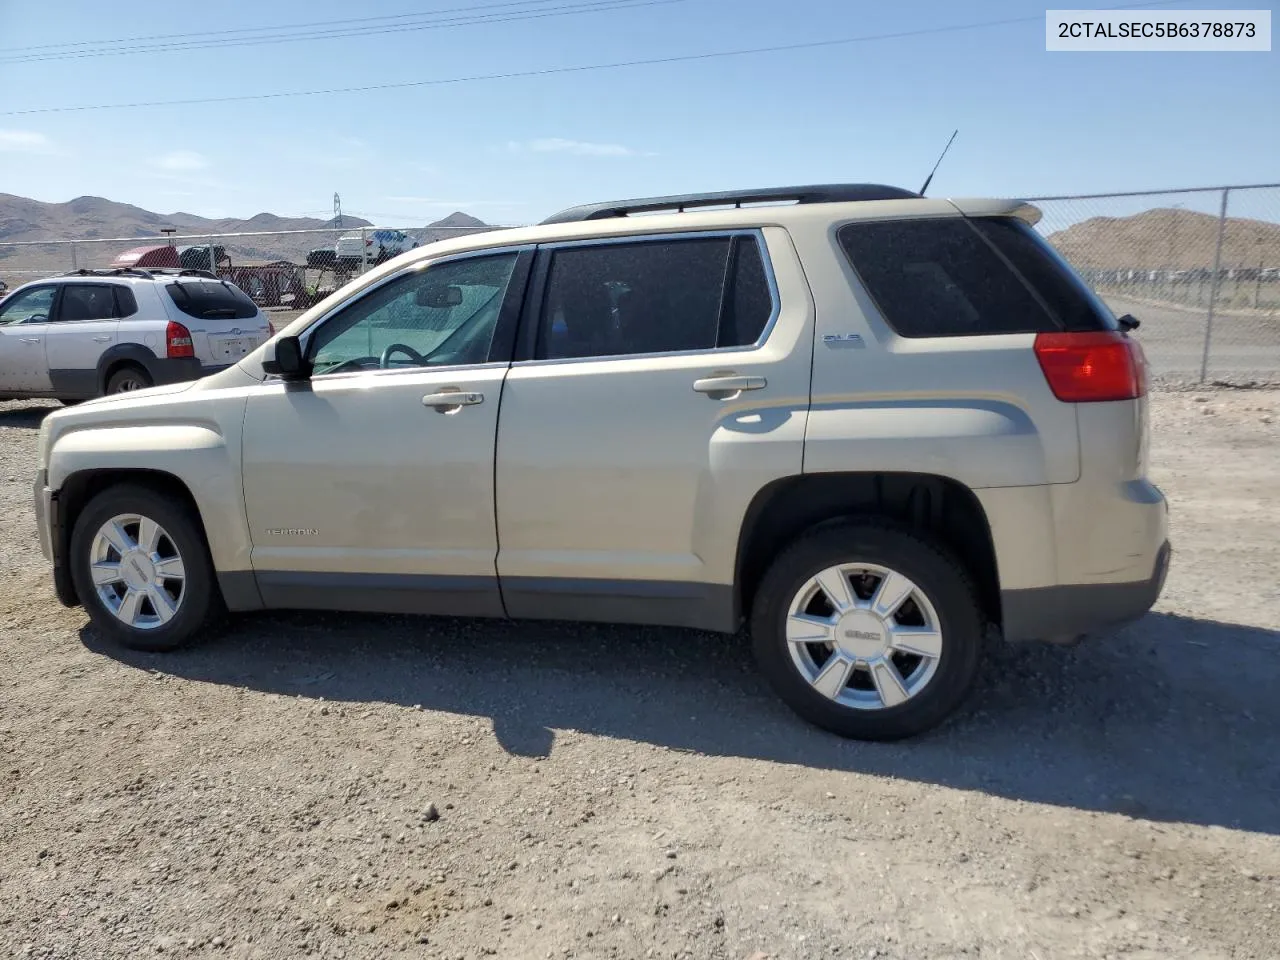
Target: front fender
{"type": "Point", "coordinates": [197, 455]}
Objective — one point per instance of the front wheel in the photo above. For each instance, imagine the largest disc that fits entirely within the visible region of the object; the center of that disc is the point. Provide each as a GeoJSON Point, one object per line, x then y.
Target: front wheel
{"type": "Point", "coordinates": [868, 630]}
{"type": "Point", "coordinates": [142, 570]}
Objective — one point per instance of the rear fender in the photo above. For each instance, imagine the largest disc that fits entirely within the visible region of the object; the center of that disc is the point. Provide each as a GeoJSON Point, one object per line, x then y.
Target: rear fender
{"type": "Point", "coordinates": [978, 443]}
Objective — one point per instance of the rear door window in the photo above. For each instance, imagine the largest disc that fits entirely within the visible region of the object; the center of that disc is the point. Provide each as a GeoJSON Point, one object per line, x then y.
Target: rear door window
{"type": "Point", "coordinates": [654, 296]}
{"type": "Point", "coordinates": [206, 299]}
{"type": "Point", "coordinates": [87, 301]}
{"type": "Point", "coordinates": [960, 277]}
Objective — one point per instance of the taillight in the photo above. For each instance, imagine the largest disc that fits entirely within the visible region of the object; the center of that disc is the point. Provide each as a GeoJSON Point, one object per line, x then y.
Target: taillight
{"type": "Point", "coordinates": [177, 341]}
{"type": "Point", "coordinates": [1091, 367]}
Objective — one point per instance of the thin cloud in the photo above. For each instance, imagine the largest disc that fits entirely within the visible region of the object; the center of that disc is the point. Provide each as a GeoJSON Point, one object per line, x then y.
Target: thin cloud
{"type": "Point", "coordinates": [456, 204]}
{"type": "Point", "coordinates": [186, 180]}
{"type": "Point", "coordinates": [25, 141]}
{"type": "Point", "coordinates": [577, 148]}
{"type": "Point", "coordinates": [180, 161]}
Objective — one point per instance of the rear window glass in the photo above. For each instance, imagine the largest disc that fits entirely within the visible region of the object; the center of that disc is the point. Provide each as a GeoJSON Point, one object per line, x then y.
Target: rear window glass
{"type": "Point", "coordinates": [955, 277]}
{"type": "Point", "coordinates": [210, 298]}
{"type": "Point", "coordinates": [1068, 298]}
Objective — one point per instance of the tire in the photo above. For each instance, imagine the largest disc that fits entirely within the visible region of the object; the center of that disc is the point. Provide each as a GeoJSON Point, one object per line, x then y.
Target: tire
{"type": "Point", "coordinates": [943, 611]}
{"type": "Point", "coordinates": [70, 401]}
{"type": "Point", "coordinates": [127, 379]}
{"type": "Point", "coordinates": [195, 603]}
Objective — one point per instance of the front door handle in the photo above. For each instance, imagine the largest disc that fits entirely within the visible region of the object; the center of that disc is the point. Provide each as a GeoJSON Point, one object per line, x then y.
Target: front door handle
{"type": "Point", "coordinates": [102, 339]}
{"type": "Point", "coordinates": [28, 339]}
{"type": "Point", "coordinates": [451, 400]}
{"type": "Point", "coordinates": [728, 385]}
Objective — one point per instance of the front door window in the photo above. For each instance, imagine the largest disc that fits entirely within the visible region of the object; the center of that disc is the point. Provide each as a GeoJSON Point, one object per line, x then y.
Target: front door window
{"type": "Point", "coordinates": [443, 315]}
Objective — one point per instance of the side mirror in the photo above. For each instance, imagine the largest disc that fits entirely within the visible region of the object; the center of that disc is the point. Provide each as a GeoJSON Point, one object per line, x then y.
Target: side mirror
{"type": "Point", "coordinates": [449, 296]}
{"type": "Point", "coordinates": [1129, 322]}
{"type": "Point", "coordinates": [288, 362]}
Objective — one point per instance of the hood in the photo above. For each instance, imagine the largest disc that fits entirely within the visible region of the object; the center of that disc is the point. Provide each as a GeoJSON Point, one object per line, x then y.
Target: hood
{"type": "Point", "coordinates": [134, 394]}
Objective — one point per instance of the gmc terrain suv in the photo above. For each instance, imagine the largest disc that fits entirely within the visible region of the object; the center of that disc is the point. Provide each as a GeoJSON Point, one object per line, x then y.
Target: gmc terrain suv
{"type": "Point", "coordinates": [112, 331]}
{"type": "Point", "coordinates": [877, 427]}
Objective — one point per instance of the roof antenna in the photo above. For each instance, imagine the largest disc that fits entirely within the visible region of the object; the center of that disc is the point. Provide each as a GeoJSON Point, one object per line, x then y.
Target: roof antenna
{"type": "Point", "coordinates": [929, 178]}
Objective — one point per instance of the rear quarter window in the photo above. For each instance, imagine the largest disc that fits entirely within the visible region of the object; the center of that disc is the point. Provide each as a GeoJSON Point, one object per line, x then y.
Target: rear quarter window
{"type": "Point", "coordinates": [126, 303]}
{"type": "Point", "coordinates": [960, 277]}
{"type": "Point", "coordinates": [206, 299]}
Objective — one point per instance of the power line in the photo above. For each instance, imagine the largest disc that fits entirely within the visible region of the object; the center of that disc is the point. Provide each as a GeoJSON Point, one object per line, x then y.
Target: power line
{"type": "Point", "coordinates": [554, 71]}
{"type": "Point", "coordinates": [569, 9]}
{"type": "Point", "coordinates": [283, 26]}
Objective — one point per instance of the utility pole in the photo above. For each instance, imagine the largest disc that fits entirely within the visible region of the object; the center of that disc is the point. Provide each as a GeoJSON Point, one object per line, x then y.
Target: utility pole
{"type": "Point", "coordinates": [337, 210]}
{"type": "Point", "coordinates": [1257, 281]}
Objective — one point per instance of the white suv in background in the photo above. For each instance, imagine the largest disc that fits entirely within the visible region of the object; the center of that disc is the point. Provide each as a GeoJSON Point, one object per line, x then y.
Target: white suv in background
{"type": "Point", "coordinates": [93, 333]}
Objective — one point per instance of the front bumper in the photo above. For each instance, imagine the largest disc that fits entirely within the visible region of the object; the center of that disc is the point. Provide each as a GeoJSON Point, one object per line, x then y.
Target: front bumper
{"type": "Point", "coordinates": [53, 540]}
{"type": "Point", "coordinates": [43, 498]}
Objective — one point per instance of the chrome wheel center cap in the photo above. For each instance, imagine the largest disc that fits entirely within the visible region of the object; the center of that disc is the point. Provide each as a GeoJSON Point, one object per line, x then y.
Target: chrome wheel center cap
{"type": "Point", "coordinates": [861, 635]}
{"type": "Point", "coordinates": [137, 570]}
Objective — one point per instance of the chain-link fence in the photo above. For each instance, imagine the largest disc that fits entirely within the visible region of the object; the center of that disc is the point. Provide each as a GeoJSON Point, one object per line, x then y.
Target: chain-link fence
{"type": "Point", "coordinates": [285, 270]}
{"type": "Point", "coordinates": [1199, 268]}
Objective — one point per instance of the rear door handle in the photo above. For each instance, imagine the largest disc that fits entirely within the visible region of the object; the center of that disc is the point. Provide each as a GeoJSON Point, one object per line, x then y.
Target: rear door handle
{"type": "Point", "coordinates": [28, 339]}
{"type": "Point", "coordinates": [102, 339]}
{"type": "Point", "coordinates": [724, 386]}
{"type": "Point", "coordinates": [447, 401]}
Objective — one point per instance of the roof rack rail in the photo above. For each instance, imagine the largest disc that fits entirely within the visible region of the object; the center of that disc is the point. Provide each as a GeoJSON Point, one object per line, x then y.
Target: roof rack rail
{"type": "Point", "coordinates": [812, 193]}
{"type": "Point", "coordinates": [111, 272]}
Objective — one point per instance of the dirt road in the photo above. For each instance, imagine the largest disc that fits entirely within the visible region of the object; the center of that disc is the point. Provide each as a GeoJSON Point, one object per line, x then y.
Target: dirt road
{"type": "Point", "coordinates": [1244, 347]}
{"type": "Point", "coordinates": [620, 792]}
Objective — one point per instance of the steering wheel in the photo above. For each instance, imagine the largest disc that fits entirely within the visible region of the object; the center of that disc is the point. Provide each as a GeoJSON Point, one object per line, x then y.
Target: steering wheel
{"type": "Point", "coordinates": [385, 360]}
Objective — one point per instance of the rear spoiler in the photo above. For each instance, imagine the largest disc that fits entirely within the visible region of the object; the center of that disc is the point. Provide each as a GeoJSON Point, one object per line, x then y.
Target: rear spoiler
{"type": "Point", "coordinates": [1027, 212]}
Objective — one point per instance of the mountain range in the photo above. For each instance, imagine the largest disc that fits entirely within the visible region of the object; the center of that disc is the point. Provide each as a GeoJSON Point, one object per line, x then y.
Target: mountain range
{"type": "Point", "coordinates": [1168, 238]}
{"type": "Point", "coordinates": [90, 218]}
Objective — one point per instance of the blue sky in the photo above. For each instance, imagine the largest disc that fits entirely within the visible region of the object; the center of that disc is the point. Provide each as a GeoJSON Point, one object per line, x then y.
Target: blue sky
{"type": "Point", "coordinates": [514, 150]}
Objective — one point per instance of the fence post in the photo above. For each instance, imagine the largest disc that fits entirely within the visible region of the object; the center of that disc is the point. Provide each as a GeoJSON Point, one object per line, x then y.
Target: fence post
{"type": "Point", "coordinates": [75, 259]}
{"type": "Point", "coordinates": [1213, 289]}
{"type": "Point", "coordinates": [213, 264]}
{"type": "Point", "coordinates": [364, 251]}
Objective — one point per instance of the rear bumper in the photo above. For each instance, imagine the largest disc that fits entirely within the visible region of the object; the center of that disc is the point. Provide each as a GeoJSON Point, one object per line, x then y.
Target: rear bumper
{"type": "Point", "coordinates": [1048, 613]}
{"type": "Point", "coordinates": [166, 370]}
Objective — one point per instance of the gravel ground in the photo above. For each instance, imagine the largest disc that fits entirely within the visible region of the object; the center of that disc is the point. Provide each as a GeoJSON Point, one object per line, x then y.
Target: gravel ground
{"type": "Point", "coordinates": [343, 786]}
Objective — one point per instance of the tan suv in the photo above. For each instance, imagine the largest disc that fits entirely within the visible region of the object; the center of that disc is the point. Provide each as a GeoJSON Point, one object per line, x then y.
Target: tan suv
{"type": "Point", "coordinates": [877, 427]}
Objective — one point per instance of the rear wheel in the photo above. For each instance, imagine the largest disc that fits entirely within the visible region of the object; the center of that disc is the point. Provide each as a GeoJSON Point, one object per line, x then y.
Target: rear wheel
{"type": "Point", "coordinates": [868, 630]}
{"type": "Point", "coordinates": [142, 569]}
{"type": "Point", "coordinates": [128, 379]}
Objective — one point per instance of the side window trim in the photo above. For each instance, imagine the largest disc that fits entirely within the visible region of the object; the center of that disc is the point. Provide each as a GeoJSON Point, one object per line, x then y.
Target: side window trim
{"type": "Point", "coordinates": [531, 321]}
{"type": "Point", "coordinates": [500, 347]}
